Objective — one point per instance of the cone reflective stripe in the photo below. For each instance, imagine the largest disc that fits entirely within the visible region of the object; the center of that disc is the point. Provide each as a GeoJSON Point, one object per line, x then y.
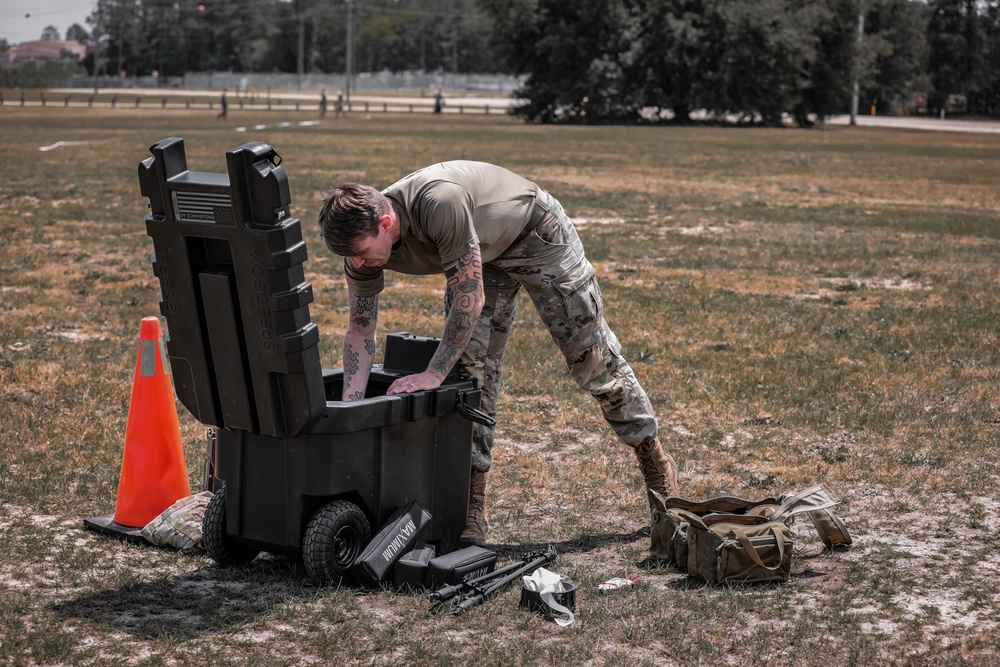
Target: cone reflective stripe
{"type": "Point", "coordinates": [154, 474]}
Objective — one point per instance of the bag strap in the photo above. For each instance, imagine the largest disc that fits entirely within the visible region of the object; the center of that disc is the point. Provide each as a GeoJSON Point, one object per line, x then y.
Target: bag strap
{"type": "Point", "coordinates": [739, 519]}
{"type": "Point", "coordinates": [685, 516]}
{"type": "Point", "coordinates": [814, 498]}
{"type": "Point", "coordinates": [752, 550]}
{"type": "Point", "coordinates": [658, 502]}
{"type": "Point", "coordinates": [727, 504]}
{"type": "Point", "coordinates": [831, 529]}
{"type": "Point", "coordinates": [816, 502]}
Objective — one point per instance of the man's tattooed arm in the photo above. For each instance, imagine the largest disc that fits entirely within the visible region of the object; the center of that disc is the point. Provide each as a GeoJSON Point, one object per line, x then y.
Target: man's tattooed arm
{"type": "Point", "coordinates": [465, 278]}
{"type": "Point", "coordinates": [359, 345]}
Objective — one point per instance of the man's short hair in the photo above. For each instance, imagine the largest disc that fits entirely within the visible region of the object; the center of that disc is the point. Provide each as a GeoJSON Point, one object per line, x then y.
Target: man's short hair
{"type": "Point", "coordinates": [349, 212]}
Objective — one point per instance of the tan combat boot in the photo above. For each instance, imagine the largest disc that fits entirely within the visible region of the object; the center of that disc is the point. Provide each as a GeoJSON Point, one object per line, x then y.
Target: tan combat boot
{"type": "Point", "coordinates": [658, 468]}
{"type": "Point", "coordinates": [475, 523]}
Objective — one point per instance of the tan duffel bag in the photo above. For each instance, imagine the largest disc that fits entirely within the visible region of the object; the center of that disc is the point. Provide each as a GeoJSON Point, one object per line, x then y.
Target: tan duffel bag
{"type": "Point", "coordinates": [735, 540]}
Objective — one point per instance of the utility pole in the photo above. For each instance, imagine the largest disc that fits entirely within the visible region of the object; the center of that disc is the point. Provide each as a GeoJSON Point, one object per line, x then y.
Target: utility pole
{"type": "Point", "coordinates": [302, 45]}
{"type": "Point", "coordinates": [121, 38]}
{"type": "Point", "coordinates": [350, 49]}
{"type": "Point", "coordinates": [98, 24]}
{"type": "Point", "coordinates": [857, 69]}
{"type": "Point", "coordinates": [454, 41]}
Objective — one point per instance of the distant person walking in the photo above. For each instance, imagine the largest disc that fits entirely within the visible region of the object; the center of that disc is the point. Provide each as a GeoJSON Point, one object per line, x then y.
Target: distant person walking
{"type": "Point", "coordinates": [322, 103]}
{"type": "Point", "coordinates": [438, 100]}
{"type": "Point", "coordinates": [339, 108]}
{"type": "Point", "coordinates": [224, 103]}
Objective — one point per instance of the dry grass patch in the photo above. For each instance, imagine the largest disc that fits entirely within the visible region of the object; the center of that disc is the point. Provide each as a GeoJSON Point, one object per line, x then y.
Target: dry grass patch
{"type": "Point", "coordinates": [800, 306]}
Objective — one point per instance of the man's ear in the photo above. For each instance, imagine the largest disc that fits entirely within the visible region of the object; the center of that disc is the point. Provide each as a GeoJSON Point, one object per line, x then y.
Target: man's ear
{"type": "Point", "coordinates": [385, 222]}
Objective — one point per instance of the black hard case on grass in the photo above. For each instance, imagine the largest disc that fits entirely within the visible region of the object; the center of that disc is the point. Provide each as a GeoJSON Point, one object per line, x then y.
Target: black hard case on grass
{"type": "Point", "coordinates": [244, 356]}
{"type": "Point", "coordinates": [396, 538]}
{"type": "Point", "coordinates": [454, 567]}
{"type": "Point", "coordinates": [410, 572]}
{"type": "Point", "coordinates": [379, 453]}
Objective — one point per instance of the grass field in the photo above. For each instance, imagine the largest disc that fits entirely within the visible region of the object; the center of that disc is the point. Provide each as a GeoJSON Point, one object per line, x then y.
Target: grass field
{"type": "Point", "coordinates": [801, 306]}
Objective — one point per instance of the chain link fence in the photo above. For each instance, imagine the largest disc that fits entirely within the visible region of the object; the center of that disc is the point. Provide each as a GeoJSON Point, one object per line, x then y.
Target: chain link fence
{"type": "Point", "coordinates": [379, 82]}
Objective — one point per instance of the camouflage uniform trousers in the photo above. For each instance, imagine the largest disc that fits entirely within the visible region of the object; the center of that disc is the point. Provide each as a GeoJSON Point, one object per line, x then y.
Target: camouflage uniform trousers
{"type": "Point", "coordinates": [549, 263]}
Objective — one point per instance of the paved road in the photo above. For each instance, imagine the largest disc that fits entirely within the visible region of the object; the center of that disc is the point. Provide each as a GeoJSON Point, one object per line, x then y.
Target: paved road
{"type": "Point", "coordinates": [920, 123]}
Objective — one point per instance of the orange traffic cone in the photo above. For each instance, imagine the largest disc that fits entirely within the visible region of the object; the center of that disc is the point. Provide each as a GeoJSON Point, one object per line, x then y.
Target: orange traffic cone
{"type": "Point", "coordinates": [154, 474]}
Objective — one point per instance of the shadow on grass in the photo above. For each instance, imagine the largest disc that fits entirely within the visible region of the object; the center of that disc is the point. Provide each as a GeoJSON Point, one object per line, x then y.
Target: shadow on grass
{"type": "Point", "coordinates": [194, 604]}
{"type": "Point", "coordinates": [580, 544]}
{"type": "Point", "coordinates": [689, 583]}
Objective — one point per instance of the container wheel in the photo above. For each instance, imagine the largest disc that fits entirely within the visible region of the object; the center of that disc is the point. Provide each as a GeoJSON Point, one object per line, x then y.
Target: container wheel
{"type": "Point", "coordinates": [335, 536]}
{"type": "Point", "coordinates": [223, 549]}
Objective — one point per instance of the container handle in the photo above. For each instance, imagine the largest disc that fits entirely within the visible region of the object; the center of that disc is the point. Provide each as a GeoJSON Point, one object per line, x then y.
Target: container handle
{"type": "Point", "coordinates": [474, 414]}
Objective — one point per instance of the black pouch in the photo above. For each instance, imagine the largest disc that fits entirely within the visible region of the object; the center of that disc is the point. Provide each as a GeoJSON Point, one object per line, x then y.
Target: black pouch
{"type": "Point", "coordinates": [397, 537]}
{"type": "Point", "coordinates": [410, 572]}
{"type": "Point", "coordinates": [533, 600]}
{"type": "Point", "coordinates": [454, 567]}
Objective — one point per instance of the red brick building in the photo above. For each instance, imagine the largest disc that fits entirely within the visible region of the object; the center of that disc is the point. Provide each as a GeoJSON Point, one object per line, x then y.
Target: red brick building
{"type": "Point", "coordinates": [42, 50]}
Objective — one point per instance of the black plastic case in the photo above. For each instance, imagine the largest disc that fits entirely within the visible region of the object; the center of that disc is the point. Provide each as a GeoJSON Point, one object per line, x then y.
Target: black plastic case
{"type": "Point", "coordinates": [454, 567]}
{"type": "Point", "coordinates": [410, 572]}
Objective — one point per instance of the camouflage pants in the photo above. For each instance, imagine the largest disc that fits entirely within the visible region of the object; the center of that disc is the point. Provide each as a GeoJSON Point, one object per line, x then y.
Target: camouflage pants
{"type": "Point", "coordinates": [549, 263]}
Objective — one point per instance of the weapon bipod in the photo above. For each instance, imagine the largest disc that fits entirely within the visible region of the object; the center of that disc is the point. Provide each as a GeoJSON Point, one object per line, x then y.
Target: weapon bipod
{"type": "Point", "coordinates": [475, 590]}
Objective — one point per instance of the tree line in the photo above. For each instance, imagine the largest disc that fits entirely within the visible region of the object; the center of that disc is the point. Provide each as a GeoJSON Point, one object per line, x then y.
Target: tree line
{"type": "Point", "coordinates": [592, 61]}
{"type": "Point", "coordinates": [172, 37]}
{"type": "Point", "coordinates": [755, 60]}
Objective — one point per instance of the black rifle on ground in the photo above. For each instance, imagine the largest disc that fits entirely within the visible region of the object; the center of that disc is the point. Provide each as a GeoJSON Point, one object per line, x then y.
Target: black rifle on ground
{"type": "Point", "coordinates": [475, 590]}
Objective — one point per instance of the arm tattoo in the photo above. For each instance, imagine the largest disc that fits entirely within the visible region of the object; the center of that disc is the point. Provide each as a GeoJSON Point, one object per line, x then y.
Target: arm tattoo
{"type": "Point", "coordinates": [465, 278]}
{"type": "Point", "coordinates": [363, 310]}
{"type": "Point", "coordinates": [359, 344]}
{"type": "Point", "coordinates": [350, 363]}
{"type": "Point", "coordinates": [467, 286]}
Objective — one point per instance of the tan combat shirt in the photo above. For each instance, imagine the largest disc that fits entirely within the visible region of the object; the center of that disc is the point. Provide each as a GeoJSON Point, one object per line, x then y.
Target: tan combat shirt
{"type": "Point", "coordinates": [445, 209]}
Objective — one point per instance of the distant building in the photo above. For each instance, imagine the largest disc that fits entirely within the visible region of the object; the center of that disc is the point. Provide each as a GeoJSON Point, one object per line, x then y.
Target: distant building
{"type": "Point", "coordinates": [42, 50]}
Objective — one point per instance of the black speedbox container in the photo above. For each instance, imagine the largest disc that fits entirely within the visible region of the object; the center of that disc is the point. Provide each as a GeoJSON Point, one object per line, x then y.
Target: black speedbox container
{"type": "Point", "coordinates": [398, 536]}
{"type": "Point", "coordinates": [454, 567]}
{"type": "Point", "coordinates": [244, 355]}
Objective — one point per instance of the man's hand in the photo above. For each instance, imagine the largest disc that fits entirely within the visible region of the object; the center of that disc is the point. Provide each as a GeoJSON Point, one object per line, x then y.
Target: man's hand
{"type": "Point", "coordinates": [419, 382]}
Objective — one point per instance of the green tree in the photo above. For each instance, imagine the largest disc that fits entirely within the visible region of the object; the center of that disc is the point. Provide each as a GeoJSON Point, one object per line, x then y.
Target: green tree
{"type": "Point", "coordinates": [386, 42]}
{"type": "Point", "coordinates": [765, 52]}
{"type": "Point", "coordinates": [50, 33]}
{"type": "Point", "coordinates": [35, 74]}
{"type": "Point", "coordinates": [956, 53]}
{"type": "Point", "coordinates": [894, 51]}
{"type": "Point", "coordinates": [173, 37]}
{"type": "Point", "coordinates": [405, 35]}
{"type": "Point", "coordinates": [670, 66]}
{"type": "Point", "coordinates": [329, 44]}
{"type": "Point", "coordinates": [77, 33]}
{"type": "Point", "coordinates": [833, 24]}
{"type": "Point", "coordinates": [988, 101]}
{"type": "Point", "coordinates": [576, 55]}
{"type": "Point", "coordinates": [617, 60]}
